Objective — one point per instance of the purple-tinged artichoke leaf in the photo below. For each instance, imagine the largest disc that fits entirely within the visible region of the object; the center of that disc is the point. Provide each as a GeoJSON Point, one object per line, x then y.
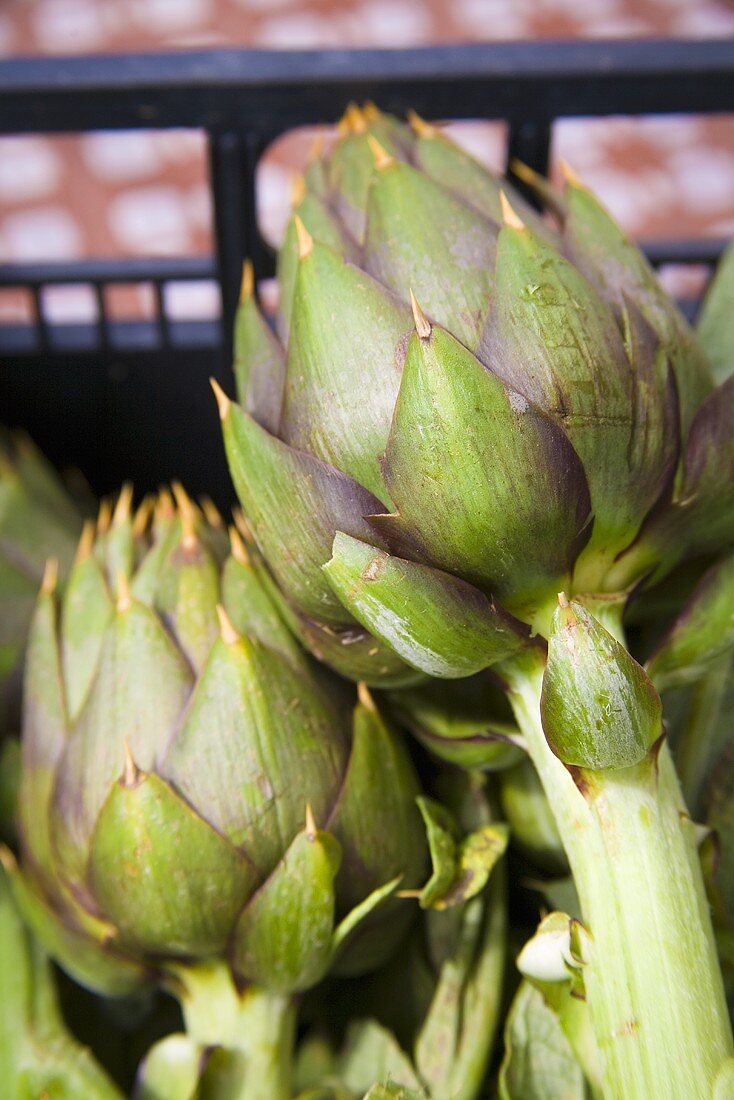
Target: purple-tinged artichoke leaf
{"type": "Point", "coordinates": [715, 325]}
{"type": "Point", "coordinates": [256, 725]}
{"type": "Point", "coordinates": [702, 632]}
{"type": "Point", "coordinates": [347, 345]}
{"type": "Point", "coordinates": [551, 337]}
{"type": "Point", "coordinates": [252, 610]}
{"type": "Point", "coordinates": [86, 611]}
{"type": "Point", "coordinates": [598, 706]}
{"type": "Point", "coordinates": [433, 620]}
{"type": "Point", "coordinates": [376, 821]}
{"type": "Point", "coordinates": [44, 735]}
{"type": "Point", "coordinates": [487, 485]}
{"type": "Point", "coordinates": [294, 503]}
{"type": "Point", "coordinates": [259, 363]}
{"type": "Point", "coordinates": [140, 689]}
{"type": "Point", "coordinates": [169, 882]}
{"type": "Point", "coordinates": [187, 596]}
{"type": "Point", "coordinates": [619, 270]}
{"type": "Point", "coordinates": [350, 172]}
{"type": "Point", "coordinates": [457, 171]}
{"type": "Point", "coordinates": [421, 238]}
{"type": "Point", "coordinates": [283, 938]}
{"type": "Point", "coordinates": [350, 650]}
{"type": "Point", "coordinates": [324, 228]}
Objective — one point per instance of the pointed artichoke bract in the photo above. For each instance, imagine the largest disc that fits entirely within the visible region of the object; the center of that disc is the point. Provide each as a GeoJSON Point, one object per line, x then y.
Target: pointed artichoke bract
{"type": "Point", "coordinates": [259, 359]}
{"type": "Point", "coordinates": [347, 340]}
{"type": "Point", "coordinates": [715, 324]}
{"type": "Point", "coordinates": [552, 337]}
{"type": "Point", "coordinates": [616, 266]}
{"type": "Point", "coordinates": [169, 754]}
{"type": "Point", "coordinates": [421, 237]}
{"type": "Point", "coordinates": [464, 445]}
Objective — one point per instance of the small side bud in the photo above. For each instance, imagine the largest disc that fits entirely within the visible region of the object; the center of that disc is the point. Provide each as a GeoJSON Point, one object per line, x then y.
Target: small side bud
{"type": "Point", "coordinates": [422, 324]}
{"type": "Point", "coordinates": [223, 402]}
{"type": "Point", "coordinates": [226, 629]}
{"type": "Point", "coordinates": [50, 577]}
{"type": "Point", "coordinates": [305, 240]}
{"type": "Point", "coordinates": [311, 829]}
{"type": "Point", "coordinates": [381, 156]}
{"type": "Point", "coordinates": [247, 286]}
{"type": "Point", "coordinates": [509, 216]}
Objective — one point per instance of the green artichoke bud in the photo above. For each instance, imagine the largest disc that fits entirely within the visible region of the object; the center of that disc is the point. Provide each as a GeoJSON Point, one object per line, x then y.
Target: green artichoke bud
{"type": "Point", "coordinates": [193, 788]}
{"type": "Point", "coordinates": [534, 424]}
{"type": "Point", "coordinates": [715, 325]}
{"type": "Point", "coordinates": [37, 520]}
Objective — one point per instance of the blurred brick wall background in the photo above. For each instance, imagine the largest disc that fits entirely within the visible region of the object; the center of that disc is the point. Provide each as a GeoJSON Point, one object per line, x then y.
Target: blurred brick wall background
{"type": "Point", "coordinates": [146, 193]}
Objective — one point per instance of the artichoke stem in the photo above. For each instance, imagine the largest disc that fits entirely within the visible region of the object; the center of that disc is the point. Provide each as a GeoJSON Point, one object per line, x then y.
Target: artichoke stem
{"type": "Point", "coordinates": [256, 1027]}
{"type": "Point", "coordinates": [650, 970]}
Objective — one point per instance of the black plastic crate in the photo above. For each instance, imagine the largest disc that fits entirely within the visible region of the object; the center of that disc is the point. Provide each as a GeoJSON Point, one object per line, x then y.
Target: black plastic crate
{"type": "Point", "coordinates": [132, 399]}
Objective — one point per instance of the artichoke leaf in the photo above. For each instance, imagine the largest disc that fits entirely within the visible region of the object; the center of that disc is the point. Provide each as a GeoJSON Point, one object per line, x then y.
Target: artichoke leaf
{"type": "Point", "coordinates": [168, 881]}
{"type": "Point", "coordinates": [294, 503]}
{"type": "Point", "coordinates": [486, 485]}
{"type": "Point", "coordinates": [284, 935]}
{"type": "Point", "coordinates": [436, 622]}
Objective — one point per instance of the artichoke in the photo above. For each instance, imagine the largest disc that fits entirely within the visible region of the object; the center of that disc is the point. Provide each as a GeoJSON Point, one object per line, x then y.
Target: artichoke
{"type": "Point", "coordinates": [466, 411]}
{"type": "Point", "coordinates": [197, 798]}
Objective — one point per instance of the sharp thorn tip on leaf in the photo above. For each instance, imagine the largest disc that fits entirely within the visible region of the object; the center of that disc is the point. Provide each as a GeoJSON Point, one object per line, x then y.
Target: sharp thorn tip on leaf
{"type": "Point", "coordinates": [50, 576]}
{"type": "Point", "coordinates": [237, 546]}
{"type": "Point", "coordinates": [131, 772]}
{"type": "Point", "coordinates": [142, 516]}
{"type": "Point", "coordinates": [355, 119]}
{"type": "Point", "coordinates": [223, 402]}
{"type": "Point", "coordinates": [188, 514]}
{"type": "Point", "coordinates": [509, 216]}
{"type": "Point", "coordinates": [298, 190]}
{"type": "Point", "coordinates": [311, 829]}
{"type": "Point", "coordinates": [124, 599]}
{"type": "Point", "coordinates": [226, 629]}
{"type": "Point", "coordinates": [123, 505]}
{"type": "Point", "coordinates": [86, 540]}
{"type": "Point", "coordinates": [104, 517]}
{"type": "Point", "coordinates": [247, 286]}
{"type": "Point", "coordinates": [422, 324]}
{"type": "Point", "coordinates": [212, 513]}
{"type": "Point", "coordinates": [381, 156]}
{"type": "Point", "coordinates": [562, 599]}
{"type": "Point", "coordinates": [524, 172]}
{"type": "Point", "coordinates": [569, 175]}
{"type": "Point", "coordinates": [305, 240]}
{"type": "Point", "coordinates": [420, 127]}
{"type": "Point", "coordinates": [365, 697]}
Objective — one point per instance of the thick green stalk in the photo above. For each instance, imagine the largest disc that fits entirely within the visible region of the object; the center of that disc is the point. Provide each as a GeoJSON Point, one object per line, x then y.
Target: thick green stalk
{"type": "Point", "coordinates": [256, 1027]}
{"type": "Point", "coordinates": [652, 977]}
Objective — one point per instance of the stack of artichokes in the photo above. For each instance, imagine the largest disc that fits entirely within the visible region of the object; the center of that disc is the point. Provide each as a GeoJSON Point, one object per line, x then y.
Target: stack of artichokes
{"type": "Point", "coordinates": [485, 471]}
